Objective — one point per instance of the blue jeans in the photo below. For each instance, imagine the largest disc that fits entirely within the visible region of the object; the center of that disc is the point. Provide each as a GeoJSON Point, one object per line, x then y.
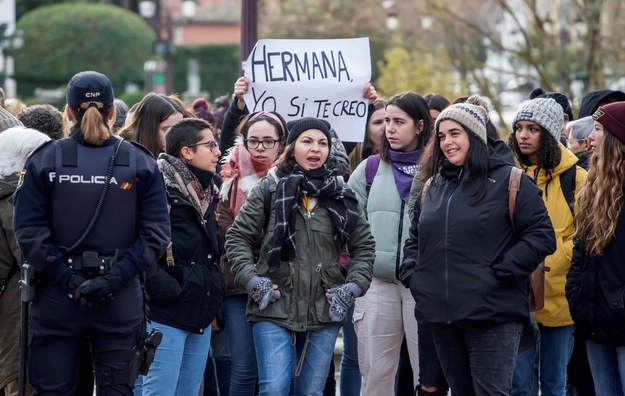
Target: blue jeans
{"type": "Point", "coordinates": [552, 353]}
{"type": "Point", "coordinates": [350, 373]}
{"type": "Point", "coordinates": [525, 377]}
{"type": "Point", "coordinates": [278, 353]}
{"type": "Point", "coordinates": [178, 365]}
{"type": "Point", "coordinates": [220, 353]}
{"type": "Point", "coordinates": [478, 360]}
{"type": "Point", "coordinates": [607, 364]}
{"type": "Point", "coordinates": [243, 372]}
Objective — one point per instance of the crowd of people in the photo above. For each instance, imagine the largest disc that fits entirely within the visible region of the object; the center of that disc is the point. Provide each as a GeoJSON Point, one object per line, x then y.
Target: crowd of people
{"type": "Point", "coordinates": [178, 251]}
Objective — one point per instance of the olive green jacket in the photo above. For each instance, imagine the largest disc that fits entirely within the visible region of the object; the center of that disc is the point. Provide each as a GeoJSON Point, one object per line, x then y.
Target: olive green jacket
{"type": "Point", "coordinates": [304, 280]}
{"type": "Point", "coordinates": [10, 301]}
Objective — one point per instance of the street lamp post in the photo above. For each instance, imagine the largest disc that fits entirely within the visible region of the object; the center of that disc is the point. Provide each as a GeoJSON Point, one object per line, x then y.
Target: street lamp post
{"type": "Point", "coordinates": [9, 43]}
{"type": "Point", "coordinates": [249, 30]}
{"type": "Point", "coordinates": [158, 15]}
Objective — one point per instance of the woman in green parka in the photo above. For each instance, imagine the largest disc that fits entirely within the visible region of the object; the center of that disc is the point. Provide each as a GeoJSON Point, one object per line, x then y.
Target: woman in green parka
{"type": "Point", "coordinates": [298, 294]}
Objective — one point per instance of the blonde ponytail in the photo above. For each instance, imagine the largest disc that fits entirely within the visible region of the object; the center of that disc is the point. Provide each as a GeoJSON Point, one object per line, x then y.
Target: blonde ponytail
{"type": "Point", "coordinates": [94, 129]}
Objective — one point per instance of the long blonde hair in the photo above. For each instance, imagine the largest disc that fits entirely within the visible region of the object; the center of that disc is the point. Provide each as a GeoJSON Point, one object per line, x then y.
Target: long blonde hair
{"type": "Point", "coordinates": [601, 197]}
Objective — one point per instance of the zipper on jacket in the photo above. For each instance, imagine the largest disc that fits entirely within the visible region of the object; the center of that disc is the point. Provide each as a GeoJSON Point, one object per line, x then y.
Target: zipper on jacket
{"type": "Point", "coordinates": [400, 231]}
{"type": "Point", "coordinates": [446, 262]}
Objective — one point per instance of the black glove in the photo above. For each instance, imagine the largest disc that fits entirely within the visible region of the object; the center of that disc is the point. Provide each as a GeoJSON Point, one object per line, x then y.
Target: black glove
{"type": "Point", "coordinates": [93, 293]}
{"type": "Point", "coordinates": [75, 281]}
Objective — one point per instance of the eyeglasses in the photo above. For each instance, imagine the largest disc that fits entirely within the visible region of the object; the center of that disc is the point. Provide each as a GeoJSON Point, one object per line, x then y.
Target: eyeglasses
{"type": "Point", "coordinates": [212, 145]}
{"type": "Point", "coordinates": [267, 143]}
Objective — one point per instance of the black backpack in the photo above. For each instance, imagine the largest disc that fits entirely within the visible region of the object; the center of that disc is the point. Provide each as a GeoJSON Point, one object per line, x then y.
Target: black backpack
{"type": "Point", "coordinates": [567, 182]}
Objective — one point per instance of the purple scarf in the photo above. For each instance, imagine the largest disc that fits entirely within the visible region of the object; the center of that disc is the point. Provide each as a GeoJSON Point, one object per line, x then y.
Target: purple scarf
{"type": "Point", "coordinates": [404, 165]}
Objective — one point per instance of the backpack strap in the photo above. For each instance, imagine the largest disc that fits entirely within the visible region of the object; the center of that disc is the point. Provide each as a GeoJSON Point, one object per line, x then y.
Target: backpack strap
{"type": "Point", "coordinates": [69, 153]}
{"type": "Point", "coordinates": [424, 190]}
{"type": "Point", "coordinates": [371, 168]}
{"type": "Point", "coordinates": [514, 185]}
{"type": "Point", "coordinates": [567, 183]}
{"type": "Point", "coordinates": [123, 155]}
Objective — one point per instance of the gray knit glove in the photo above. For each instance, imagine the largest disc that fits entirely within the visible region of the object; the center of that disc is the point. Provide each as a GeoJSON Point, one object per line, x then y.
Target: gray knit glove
{"type": "Point", "coordinates": [341, 298]}
{"type": "Point", "coordinates": [261, 291]}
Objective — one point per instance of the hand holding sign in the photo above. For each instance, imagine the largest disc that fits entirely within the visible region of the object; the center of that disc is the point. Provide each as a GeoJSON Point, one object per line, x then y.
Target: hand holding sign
{"type": "Point", "coordinates": [240, 89]}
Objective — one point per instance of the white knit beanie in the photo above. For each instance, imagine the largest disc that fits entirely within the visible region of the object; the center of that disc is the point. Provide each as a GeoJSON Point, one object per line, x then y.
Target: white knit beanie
{"type": "Point", "coordinates": [545, 112]}
{"type": "Point", "coordinates": [471, 117]}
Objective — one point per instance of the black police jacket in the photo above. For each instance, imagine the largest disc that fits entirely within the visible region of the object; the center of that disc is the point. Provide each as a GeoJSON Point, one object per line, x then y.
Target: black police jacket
{"type": "Point", "coordinates": [188, 294]}
{"type": "Point", "coordinates": [54, 204]}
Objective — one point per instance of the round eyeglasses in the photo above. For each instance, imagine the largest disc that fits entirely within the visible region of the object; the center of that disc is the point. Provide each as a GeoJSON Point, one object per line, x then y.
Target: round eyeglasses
{"type": "Point", "coordinates": [267, 143]}
{"type": "Point", "coordinates": [212, 145]}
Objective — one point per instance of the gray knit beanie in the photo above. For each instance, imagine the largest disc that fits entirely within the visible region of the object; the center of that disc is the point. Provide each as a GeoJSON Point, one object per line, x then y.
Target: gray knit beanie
{"type": "Point", "coordinates": [470, 116]}
{"type": "Point", "coordinates": [8, 120]}
{"type": "Point", "coordinates": [545, 112]}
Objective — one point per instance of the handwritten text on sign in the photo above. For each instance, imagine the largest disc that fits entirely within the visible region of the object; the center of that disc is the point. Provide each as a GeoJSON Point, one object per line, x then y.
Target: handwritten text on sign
{"type": "Point", "coordinates": [312, 78]}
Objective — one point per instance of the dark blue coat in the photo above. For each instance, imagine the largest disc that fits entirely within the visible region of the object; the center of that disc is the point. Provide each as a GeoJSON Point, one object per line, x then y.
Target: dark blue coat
{"type": "Point", "coordinates": [36, 210]}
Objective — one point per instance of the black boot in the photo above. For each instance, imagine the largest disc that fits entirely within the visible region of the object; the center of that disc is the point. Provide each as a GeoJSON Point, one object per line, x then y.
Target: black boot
{"type": "Point", "coordinates": [418, 391]}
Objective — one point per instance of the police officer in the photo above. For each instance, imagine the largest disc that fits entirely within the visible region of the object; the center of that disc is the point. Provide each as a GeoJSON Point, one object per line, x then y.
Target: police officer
{"type": "Point", "coordinates": [90, 215]}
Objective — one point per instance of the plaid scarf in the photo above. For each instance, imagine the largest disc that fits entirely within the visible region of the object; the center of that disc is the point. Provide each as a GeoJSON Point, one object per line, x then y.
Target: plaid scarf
{"type": "Point", "coordinates": [178, 175]}
{"type": "Point", "coordinates": [331, 194]}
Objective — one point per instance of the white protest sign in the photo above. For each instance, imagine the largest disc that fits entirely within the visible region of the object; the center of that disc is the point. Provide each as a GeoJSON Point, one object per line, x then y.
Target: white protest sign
{"type": "Point", "coordinates": [312, 78]}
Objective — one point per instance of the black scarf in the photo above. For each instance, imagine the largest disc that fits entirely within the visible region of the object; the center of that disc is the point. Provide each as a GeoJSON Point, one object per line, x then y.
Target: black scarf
{"type": "Point", "coordinates": [331, 194]}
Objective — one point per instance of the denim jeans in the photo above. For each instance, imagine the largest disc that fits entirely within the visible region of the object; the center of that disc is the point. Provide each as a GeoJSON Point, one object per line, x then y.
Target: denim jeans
{"type": "Point", "coordinates": [478, 360]}
{"type": "Point", "coordinates": [243, 375]}
{"type": "Point", "coordinates": [552, 353]}
{"type": "Point", "coordinates": [179, 363]}
{"type": "Point", "coordinates": [278, 352]}
{"type": "Point", "coordinates": [220, 354]}
{"type": "Point", "coordinates": [525, 377]}
{"type": "Point", "coordinates": [607, 364]}
{"type": "Point", "coordinates": [350, 373]}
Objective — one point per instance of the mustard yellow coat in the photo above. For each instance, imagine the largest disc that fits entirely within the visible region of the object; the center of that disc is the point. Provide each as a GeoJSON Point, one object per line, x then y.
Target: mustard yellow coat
{"type": "Point", "coordinates": [556, 310]}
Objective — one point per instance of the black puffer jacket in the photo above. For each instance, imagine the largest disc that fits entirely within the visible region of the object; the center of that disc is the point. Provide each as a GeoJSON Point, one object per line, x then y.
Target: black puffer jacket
{"type": "Point", "coordinates": [188, 294]}
{"type": "Point", "coordinates": [464, 263]}
{"type": "Point", "coordinates": [595, 290]}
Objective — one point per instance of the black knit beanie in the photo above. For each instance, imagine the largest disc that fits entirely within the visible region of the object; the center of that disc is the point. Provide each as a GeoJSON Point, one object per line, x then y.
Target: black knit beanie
{"type": "Point", "coordinates": [562, 100]}
{"type": "Point", "coordinates": [296, 127]}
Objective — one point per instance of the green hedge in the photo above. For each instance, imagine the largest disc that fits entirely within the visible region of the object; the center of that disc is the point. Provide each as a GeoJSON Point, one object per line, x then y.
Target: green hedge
{"type": "Point", "coordinates": [63, 39]}
{"type": "Point", "coordinates": [219, 68]}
